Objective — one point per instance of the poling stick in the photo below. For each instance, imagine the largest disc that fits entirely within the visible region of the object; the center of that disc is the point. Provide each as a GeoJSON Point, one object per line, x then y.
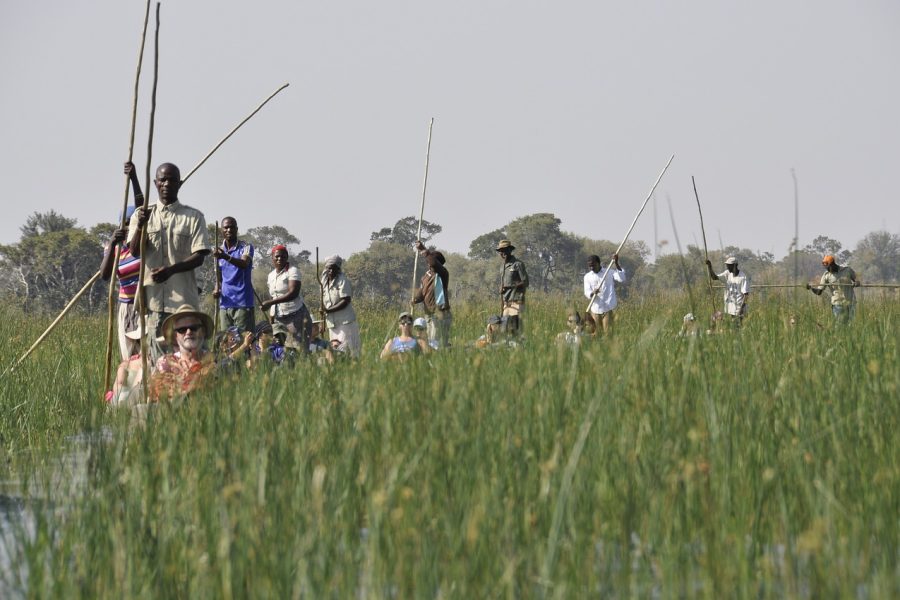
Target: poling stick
{"type": "Point", "coordinates": [107, 373]}
{"type": "Point", "coordinates": [630, 229]}
{"type": "Point", "coordinates": [422, 207]}
{"type": "Point", "coordinates": [712, 301]}
{"type": "Point", "coordinates": [216, 275]}
{"type": "Point", "coordinates": [230, 133]}
{"type": "Point", "coordinates": [141, 294]}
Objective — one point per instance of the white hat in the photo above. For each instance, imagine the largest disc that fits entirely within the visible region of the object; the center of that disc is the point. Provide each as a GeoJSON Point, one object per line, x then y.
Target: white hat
{"type": "Point", "coordinates": [420, 323]}
{"type": "Point", "coordinates": [731, 260]}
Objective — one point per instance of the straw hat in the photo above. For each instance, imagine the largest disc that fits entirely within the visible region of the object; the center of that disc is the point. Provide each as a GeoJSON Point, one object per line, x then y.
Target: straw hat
{"type": "Point", "coordinates": [505, 245]}
{"type": "Point", "coordinates": [185, 310]}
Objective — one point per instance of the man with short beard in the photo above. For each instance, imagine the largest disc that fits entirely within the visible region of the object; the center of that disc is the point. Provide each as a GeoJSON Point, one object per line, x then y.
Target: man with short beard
{"type": "Point", "coordinates": [181, 371]}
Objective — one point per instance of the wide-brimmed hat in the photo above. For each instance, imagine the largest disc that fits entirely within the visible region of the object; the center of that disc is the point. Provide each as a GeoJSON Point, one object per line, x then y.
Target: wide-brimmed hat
{"type": "Point", "coordinates": [185, 310]}
{"type": "Point", "coordinates": [731, 260]}
{"type": "Point", "coordinates": [505, 245]}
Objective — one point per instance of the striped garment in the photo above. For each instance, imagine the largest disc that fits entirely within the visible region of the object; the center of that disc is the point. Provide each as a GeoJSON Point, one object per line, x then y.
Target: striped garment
{"type": "Point", "coordinates": [128, 273]}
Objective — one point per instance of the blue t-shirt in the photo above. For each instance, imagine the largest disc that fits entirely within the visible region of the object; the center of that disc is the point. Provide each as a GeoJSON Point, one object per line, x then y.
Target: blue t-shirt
{"type": "Point", "coordinates": [237, 286]}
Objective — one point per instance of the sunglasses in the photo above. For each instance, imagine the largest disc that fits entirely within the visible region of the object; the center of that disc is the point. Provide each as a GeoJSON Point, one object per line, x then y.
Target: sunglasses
{"type": "Point", "coordinates": [406, 321]}
{"type": "Point", "coordinates": [195, 327]}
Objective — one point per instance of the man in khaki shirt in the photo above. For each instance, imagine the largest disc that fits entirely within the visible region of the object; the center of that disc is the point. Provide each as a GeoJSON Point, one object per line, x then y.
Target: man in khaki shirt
{"type": "Point", "coordinates": [176, 244]}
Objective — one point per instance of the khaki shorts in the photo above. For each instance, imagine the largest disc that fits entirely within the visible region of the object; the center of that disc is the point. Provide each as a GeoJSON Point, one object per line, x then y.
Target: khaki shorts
{"type": "Point", "coordinates": [513, 309]}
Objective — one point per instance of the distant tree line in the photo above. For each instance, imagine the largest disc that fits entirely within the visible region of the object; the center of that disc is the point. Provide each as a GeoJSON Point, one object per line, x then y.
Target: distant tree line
{"type": "Point", "coordinates": [55, 256]}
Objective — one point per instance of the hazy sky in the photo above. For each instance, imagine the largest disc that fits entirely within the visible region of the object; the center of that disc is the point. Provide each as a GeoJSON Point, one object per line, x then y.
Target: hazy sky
{"type": "Point", "coordinates": [564, 107]}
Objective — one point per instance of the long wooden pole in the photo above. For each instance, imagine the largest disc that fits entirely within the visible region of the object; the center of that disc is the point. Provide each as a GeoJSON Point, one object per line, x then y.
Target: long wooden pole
{"type": "Point", "coordinates": [818, 285]}
{"type": "Point", "coordinates": [107, 372]}
{"type": "Point", "coordinates": [230, 133]}
{"type": "Point", "coordinates": [321, 294]}
{"type": "Point", "coordinates": [141, 294]}
{"type": "Point", "coordinates": [216, 275]}
{"type": "Point", "coordinates": [630, 229]}
{"type": "Point", "coordinates": [52, 325]}
{"type": "Point", "coordinates": [712, 300]}
{"type": "Point", "coordinates": [422, 206]}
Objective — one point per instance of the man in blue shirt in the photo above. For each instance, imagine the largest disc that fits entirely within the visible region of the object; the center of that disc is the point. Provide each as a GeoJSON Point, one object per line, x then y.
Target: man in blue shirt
{"type": "Point", "coordinates": [234, 288]}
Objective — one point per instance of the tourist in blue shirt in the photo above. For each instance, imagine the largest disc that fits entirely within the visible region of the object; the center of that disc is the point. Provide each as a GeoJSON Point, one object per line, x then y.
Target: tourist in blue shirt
{"type": "Point", "coordinates": [234, 287]}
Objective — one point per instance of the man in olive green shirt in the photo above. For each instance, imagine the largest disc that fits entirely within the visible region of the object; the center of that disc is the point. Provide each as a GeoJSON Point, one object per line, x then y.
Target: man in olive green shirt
{"type": "Point", "coordinates": [176, 244]}
{"type": "Point", "coordinates": [512, 288]}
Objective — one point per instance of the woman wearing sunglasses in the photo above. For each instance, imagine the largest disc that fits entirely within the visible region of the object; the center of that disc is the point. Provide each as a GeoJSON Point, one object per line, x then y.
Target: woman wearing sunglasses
{"type": "Point", "coordinates": [405, 343]}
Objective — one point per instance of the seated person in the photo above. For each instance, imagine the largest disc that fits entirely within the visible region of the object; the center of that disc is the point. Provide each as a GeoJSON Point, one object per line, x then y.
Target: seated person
{"type": "Point", "coordinates": [320, 346]}
{"type": "Point", "coordinates": [269, 346]}
{"type": "Point", "coordinates": [232, 348]}
{"type": "Point", "coordinates": [420, 330]}
{"type": "Point", "coordinates": [405, 343]}
{"type": "Point", "coordinates": [183, 370]}
{"type": "Point", "coordinates": [573, 334]}
{"type": "Point", "coordinates": [492, 333]}
{"type": "Point", "coordinates": [127, 389]}
{"type": "Point", "coordinates": [689, 326]}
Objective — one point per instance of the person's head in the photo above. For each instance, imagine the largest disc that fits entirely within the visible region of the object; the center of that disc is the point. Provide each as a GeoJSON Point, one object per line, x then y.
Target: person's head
{"type": "Point", "coordinates": [573, 321]}
{"type": "Point", "coordinates": [316, 330]}
{"type": "Point", "coordinates": [229, 230]}
{"type": "Point", "coordinates": [333, 265]}
{"type": "Point", "coordinates": [168, 182]}
{"type": "Point", "coordinates": [731, 264]}
{"type": "Point", "coordinates": [593, 263]}
{"type": "Point", "coordinates": [280, 257]}
{"type": "Point", "coordinates": [405, 321]}
{"type": "Point", "coordinates": [494, 327]}
{"type": "Point", "coordinates": [505, 249]}
{"type": "Point", "coordinates": [829, 263]}
{"type": "Point", "coordinates": [187, 329]}
{"type": "Point", "coordinates": [229, 339]}
{"type": "Point", "coordinates": [420, 327]}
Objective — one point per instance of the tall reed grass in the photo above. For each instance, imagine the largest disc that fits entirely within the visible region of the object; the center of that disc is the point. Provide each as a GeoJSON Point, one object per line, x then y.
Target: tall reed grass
{"type": "Point", "coordinates": [757, 464]}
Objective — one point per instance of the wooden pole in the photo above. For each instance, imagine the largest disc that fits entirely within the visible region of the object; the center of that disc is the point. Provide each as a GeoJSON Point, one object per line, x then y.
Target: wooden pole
{"type": "Point", "coordinates": [321, 294]}
{"type": "Point", "coordinates": [216, 274]}
{"type": "Point", "coordinates": [630, 229]}
{"type": "Point", "coordinates": [818, 285]}
{"type": "Point", "coordinates": [68, 307]}
{"type": "Point", "coordinates": [712, 300]}
{"type": "Point", "coordinates": [141, 294]}
{"type": "Point", "coordinates": [422, 207]}
{"type": "Point", "coordinates": [230, 133]}
{"type": "Point", "coordinates": [107, 372]}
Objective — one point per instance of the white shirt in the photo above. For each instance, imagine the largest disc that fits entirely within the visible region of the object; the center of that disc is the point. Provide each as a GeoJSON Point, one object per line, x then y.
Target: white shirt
{"type": "Point", "coordinates": [605, 300]}
{"type": "Point", "coordinates": [736, 287]}
{"type": "Point", "coordinates": [278, 286]}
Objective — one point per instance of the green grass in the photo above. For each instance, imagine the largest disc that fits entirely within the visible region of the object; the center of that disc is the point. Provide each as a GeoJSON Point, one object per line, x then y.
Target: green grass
{"type": "Point", "coordinates": [762, 464]}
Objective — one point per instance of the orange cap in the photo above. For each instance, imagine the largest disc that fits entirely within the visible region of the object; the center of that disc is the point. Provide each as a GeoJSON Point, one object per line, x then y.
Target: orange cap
{"type": "Point", "coordinates": [828, 260]}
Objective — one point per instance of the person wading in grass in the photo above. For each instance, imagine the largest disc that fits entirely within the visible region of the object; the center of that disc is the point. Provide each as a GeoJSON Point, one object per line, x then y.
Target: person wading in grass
{"type": "Point", "coordinates": [512, 288]}
{"type": "Point", "coordinates": [737, 289]}
{"type": "Point", "coordinates": [603, 298]}
{"type": "Point", "coordinates": [290, 316]}
{"type": "Point", "coordinates": [182, 371]}
{"type": "Point", "coordinates": [434, 294]}
{"type": "Point", "coordinates": [234, 285]}
{"type": "Point", "coordinates": [573, 334]}
{"type": "Point", "coordinates": [176, 245]}
{"type": "Point", "coordinates": [841, 280]}
{"type": "Point", "coordinates": [337, 293]}
{"type": "Point", "coordinates": [127, 272]}
{"type": "Point", "coordinates": [405, 343]}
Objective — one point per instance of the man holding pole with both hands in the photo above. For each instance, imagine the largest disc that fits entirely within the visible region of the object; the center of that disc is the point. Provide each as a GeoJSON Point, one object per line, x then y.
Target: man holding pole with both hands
{"type": "Point", "coordinates": [600, 289]}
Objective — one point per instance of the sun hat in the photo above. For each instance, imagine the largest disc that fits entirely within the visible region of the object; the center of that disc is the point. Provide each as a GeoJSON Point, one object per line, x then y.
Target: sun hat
{"type": "Point", "coordinates": [185, 310]}
{"type": "Point", "coordinates": [828, 260]}
{"type": "Point", "coordinates": [505, 245]}
{"type": "Point", "coordinates": [731, 260]}
{"type": "Point", "coordinates": [420, 323]}
{"type": "Point", "coordinates": [405, 315]}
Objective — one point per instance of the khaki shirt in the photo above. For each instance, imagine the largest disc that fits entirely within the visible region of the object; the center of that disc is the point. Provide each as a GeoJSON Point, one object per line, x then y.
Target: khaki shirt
{"type": "Point", "coordinates": [513, 273]}
{"type": "Point", "coordinates": [174, 232]}
{"type": "Point", "coordinates": [334, 290]}
{"type": "Point", "coordinates": [841, 286]}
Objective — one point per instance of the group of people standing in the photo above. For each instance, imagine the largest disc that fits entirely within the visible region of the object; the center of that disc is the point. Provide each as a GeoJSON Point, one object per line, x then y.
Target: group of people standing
{"type": "Point", "coordinates": [171, 240]}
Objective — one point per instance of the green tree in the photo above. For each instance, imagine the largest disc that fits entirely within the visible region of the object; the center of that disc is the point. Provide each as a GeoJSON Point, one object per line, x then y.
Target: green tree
{"type": "Point", "coordinates": [877, 256]}
{"type": "Point", "coordinates": [404, 232]}
{"type": "Point", "coordinates": [48, 222]}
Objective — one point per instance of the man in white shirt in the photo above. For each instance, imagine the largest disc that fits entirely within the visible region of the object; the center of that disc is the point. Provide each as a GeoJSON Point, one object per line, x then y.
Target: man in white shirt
{"type": "Point", "coordinates": [737, 289]}
{"type": "Point", "coordinates": [602, 297]}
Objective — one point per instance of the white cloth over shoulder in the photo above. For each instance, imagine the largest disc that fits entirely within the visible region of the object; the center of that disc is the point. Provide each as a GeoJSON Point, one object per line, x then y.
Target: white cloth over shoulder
{"type": "Point", "coordinates": [605, 300]}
